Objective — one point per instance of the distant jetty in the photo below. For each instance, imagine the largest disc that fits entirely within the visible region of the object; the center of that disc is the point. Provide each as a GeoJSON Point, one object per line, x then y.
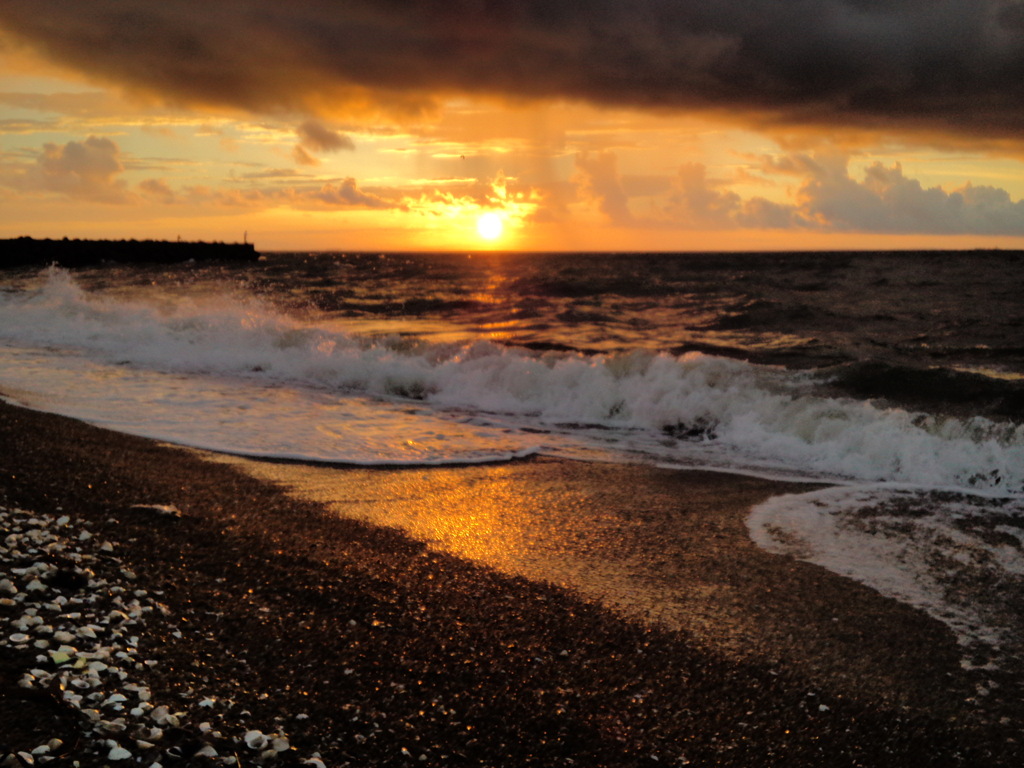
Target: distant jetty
{"type": "Point", "coordinates": [27, 251]}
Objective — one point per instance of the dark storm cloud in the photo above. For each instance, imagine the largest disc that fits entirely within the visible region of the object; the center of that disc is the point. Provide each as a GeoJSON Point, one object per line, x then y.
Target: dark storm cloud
{"type": "Point", "coordinates": [926, 64]}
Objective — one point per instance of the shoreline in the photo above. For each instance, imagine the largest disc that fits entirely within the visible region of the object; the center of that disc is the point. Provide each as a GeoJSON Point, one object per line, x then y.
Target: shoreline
{"type": "Point", "coordinates": [374, 634]}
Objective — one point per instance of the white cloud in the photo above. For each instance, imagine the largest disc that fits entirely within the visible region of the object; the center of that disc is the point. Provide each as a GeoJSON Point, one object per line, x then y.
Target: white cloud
{"type": "Point", "coordinates": [888, 201]}
{"type": "Point", "coordinates": [827, 199]}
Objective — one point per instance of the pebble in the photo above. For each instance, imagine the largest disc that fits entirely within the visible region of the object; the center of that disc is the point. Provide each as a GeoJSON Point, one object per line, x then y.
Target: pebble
{"type": "Point", "coordinates": [255, 740]}
{"type": "Point", "coordinates": [119, 753]}
{"type": "Point", "coordinates": [86, 653]}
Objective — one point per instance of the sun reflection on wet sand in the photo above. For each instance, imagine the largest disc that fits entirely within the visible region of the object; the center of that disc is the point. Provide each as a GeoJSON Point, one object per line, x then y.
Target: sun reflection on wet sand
{"type": "Point", "coordinates": [654, 544]}
{"type": "Point", "coordinates": [663, 549]}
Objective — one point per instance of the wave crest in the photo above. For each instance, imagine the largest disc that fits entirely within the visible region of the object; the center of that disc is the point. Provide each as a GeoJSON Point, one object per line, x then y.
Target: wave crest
{"type": "Point", "coordinates": [696, 408]}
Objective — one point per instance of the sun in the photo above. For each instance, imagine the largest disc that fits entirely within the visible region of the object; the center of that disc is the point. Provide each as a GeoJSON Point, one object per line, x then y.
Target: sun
{"type": "Point", "coordinates": [489, 226]}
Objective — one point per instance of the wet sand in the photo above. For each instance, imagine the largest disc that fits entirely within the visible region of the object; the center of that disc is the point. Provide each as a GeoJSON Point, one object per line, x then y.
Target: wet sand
{"type": "Point", "coordinates": [678, 639]}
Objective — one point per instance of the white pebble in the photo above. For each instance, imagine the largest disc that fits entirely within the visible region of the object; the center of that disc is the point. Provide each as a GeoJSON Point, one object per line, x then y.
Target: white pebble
{"type": "Point", "coordinates": [162, 716]}
{"type": "Point", "coordinates": [119, 753]}
{"type": "Point", "coordinates": [255, 740]}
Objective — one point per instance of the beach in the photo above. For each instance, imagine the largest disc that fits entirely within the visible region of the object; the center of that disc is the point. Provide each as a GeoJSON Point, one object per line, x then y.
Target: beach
{"type": "Point", "coordinates": [370, 648]}
{"type": "Point", "coordinates": [511, 385]}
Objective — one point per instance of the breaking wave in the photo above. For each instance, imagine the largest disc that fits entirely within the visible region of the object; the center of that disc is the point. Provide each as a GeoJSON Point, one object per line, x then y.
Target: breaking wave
{"type": "Point", "coordinates": [732, 413]}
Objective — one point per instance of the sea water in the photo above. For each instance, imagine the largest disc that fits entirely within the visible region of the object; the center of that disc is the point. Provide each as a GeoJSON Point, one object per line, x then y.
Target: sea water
{"type": "Point", "coordinates": [896, 378]}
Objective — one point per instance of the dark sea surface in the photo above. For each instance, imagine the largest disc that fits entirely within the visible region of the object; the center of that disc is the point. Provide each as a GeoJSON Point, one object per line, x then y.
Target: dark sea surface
{"type": "Point", "coordinates": [942, 328]}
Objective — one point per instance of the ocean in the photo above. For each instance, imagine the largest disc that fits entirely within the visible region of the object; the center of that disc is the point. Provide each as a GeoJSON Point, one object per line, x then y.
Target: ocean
{"type": "Point", "coordinates": [891, 383]}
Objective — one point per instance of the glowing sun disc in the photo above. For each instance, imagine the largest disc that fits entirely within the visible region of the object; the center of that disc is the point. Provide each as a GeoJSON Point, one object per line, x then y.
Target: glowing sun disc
{"type": "Point", "coordinates": [489, 226]}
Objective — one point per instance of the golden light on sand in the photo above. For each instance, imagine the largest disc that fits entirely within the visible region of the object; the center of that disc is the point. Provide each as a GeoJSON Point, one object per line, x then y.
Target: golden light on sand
{"type": "Point", "coordinates": [489, 226]}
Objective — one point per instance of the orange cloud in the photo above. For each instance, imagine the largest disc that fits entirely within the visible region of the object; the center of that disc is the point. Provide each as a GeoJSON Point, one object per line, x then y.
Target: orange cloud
{"type": "Point", "coordinates": [347, 193]}
{"type": "Point", "coordinates": [157, 190]}
{"type": "Point", "coordinates": [302, 157]}
{"type": "Point", "coordinates": [598, 181]}
{"type": "Point", "coordinates": [317, 137]}
{"type": "Point", "coordinates": [84, 170]}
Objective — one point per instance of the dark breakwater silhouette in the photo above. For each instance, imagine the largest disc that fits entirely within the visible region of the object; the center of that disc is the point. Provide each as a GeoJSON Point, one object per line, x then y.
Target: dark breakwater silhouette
{"type": "Point", "coordinates": [27, 251]}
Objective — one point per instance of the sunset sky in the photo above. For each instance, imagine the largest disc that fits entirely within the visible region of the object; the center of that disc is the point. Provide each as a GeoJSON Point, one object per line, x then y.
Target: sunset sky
{"type": "Point", "coordinates": [516, 124]}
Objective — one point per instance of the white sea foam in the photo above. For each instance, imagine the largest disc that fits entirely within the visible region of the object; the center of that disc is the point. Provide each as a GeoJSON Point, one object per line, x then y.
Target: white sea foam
{"type": "Point", "coordinates": [959, 558]}
{"type": "Point", "coordinates": [236, 374]}
{"type": "Point", "coordinates": [248, 418]}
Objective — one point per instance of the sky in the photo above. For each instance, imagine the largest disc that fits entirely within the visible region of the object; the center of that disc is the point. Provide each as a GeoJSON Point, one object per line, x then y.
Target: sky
{"type": "Point", "coordinates": [670, 125]}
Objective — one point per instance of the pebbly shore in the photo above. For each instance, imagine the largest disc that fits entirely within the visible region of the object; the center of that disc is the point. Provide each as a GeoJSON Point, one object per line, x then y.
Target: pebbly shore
{"type": "Point", "coordinates": [242, 626]}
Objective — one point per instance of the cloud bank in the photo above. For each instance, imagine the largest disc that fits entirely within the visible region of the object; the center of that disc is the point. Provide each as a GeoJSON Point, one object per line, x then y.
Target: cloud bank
{"type": "Point", "coordinates": [827, 199]}
{"type": "Point", "coordinates": [824, 196]}
{"type": "Point", "coordinates": [93, 170]}
{"type": "Point", "coordinates": [951, 65]}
